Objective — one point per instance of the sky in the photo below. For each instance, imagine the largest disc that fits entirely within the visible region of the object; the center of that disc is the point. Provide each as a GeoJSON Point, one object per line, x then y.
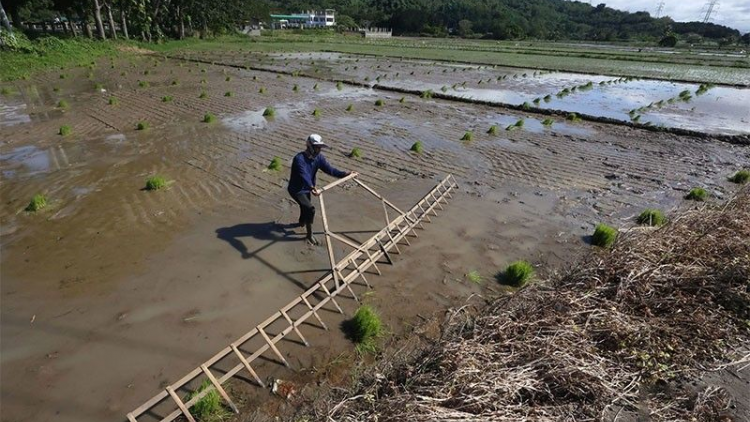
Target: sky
{"type": "Point", "coordinates": [732, 13]}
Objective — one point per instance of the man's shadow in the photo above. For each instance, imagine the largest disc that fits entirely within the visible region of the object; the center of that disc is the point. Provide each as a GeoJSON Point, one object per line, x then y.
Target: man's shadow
{"type": "Point", "coordinates": [271, 231]}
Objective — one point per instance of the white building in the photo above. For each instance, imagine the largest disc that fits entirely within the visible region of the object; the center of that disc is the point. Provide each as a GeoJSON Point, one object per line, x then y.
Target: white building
{"type": "Point", "coordinates": [308, 19]}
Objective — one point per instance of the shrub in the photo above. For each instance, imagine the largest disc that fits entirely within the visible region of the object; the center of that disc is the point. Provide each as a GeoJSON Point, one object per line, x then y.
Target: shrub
{"type": "Point", "coordinates": [356, 153]}
{"type": "Point", "coordinates": [269, 112]}
{"type": "Point", "coordinates": [741, 177]}
{"type": "Point", "coordinates": [141, 126]}
{"type": "Point", "coordinates": [156, 183]}
{"type": "Point", "coordinates": [350, 107]}
{"type": "Point", "coordinates": [143, 84]}
{"type": "Point", "coordinates": [203, 94]}
{"type": "Point", "coordinates": [548, 122]}
{"type": "Point", "coordinates": [697, 194]}
{"type": "Point", "coordinates": [604, 236]}
{"type": "Point", "coordinates": [417, 147]}
{"type": "Point", "coordinates": [38, 202]}
{"type": "Point", "coordinates": [379, 103]}
{"type": "Point", "coordinates": [275, 164]}
{"type": "Point", "coordinates": [209, 118]}
{"type": "Point", "coordinates": [316, 113]}
{"type": "Point", "coordinates": [209, 407]}
{"type": "Point", "coordinates": [228, 94]}
{"type": "Point", "coordinates": [468, 136]}
{"type": "Point", "coordinates": [62, 104]}
{"type": "Point", "coordinates": [517, 274]}
{"type": "Point", "coordinates": [65, 130]}
{"type": "Point", "coordinates": [365, 328]}
{"type": "Point", "coordinates": [651, 217]}
{"type": "Point", "coordinates": [166, 98]}
{"type": "Point", "coordinates": [492, 130]}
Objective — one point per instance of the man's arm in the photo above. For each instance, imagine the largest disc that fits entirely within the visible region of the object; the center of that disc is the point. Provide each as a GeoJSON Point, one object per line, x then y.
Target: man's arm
{"type": "Point", "coordinates": [330, 170]}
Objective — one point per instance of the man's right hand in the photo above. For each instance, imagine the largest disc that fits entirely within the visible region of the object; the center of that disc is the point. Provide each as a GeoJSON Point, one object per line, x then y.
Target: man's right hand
{"type": "Point", "coordinates": [315, 191]}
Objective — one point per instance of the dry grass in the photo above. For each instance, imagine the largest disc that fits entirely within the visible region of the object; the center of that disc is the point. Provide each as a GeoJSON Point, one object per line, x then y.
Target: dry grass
{"type": "Point", "coordinates": [616, 333]}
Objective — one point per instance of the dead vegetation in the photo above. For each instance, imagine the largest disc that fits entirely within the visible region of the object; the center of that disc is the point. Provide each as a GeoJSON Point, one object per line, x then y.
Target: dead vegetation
{"type": "Point", "coordinates": [621, 332]}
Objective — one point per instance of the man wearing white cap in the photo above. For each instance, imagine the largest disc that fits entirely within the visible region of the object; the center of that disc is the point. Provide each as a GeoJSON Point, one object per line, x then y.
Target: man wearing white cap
{"type": "Point", "coordinates": [302, 181]}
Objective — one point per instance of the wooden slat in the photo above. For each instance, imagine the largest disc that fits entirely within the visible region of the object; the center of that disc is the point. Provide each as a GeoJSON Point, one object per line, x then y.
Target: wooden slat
{"type": "Point", "coordinates": [247, 366]}
{"type": "Point", "coordinates": [273, 347]}
{"type": "Point", "coordinates": [219, 388]}
{"type": "Point", "coordinates": [180, 404]}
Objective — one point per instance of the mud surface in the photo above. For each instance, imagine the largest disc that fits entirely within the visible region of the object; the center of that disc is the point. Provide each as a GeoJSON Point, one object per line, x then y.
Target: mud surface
{"type": "Point", "coordinates": [111, 292]}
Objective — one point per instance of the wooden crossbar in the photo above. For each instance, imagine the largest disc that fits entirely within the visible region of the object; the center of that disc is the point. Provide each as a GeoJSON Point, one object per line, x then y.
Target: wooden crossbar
{"type": "Point", "coordinates": [370, 251]}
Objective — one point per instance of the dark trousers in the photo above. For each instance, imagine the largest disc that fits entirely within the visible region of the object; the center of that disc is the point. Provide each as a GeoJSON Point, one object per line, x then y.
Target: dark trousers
{"type": "Point", "coordinates": [306, 208]}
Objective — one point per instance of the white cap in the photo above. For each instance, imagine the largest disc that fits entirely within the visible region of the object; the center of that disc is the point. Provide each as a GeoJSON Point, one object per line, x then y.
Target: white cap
{"type": "Point", "coordinates": [316, 140]}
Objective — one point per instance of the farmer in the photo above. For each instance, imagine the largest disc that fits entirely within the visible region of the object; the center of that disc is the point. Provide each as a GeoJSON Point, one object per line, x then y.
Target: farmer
{"type": "Point", "coordinates": [302, 181]}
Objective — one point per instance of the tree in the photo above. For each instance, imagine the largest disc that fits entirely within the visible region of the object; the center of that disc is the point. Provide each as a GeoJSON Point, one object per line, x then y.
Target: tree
{"type": "Point", "coordinates": [464, 27]}
{"type": "Point", "coordinates": [344, 22]}
{"type": "Point", "coordinates": [668, 41]}
{"type": "Point", "coordinates": [746, 39]}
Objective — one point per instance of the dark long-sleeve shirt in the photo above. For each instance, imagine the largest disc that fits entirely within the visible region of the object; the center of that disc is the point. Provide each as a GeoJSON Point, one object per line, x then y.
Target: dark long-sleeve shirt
{"type": "Point", "coordinates": [304, 169]}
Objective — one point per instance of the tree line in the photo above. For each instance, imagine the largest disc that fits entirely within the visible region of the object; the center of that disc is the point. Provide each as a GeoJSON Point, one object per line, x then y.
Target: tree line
{"type": "Point", "coordinates": [497, 19]}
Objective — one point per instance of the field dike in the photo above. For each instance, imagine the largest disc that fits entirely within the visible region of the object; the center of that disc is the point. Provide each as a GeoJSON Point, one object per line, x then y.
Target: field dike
{"type": "Point", "coordinates": [624, 335]}
{"type": "Point", "coordinates": [733, 139]}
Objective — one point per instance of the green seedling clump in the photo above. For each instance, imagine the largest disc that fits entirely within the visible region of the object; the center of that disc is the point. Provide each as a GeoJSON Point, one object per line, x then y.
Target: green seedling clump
{"type": "Point", "coordinates": [156, 183]}
{"type": "Point", "coordinates": [262, 90]}
{"type": "Point", "coordinates": [697, 194]}
{"type": "Point", "coordinates": [228, 78]}
{"type": "Point", "coordinates": [350, 107]}
{"type": "Point", "coordinates": [468, 136]}
{"type": "Point", "coordinates": [113, 101]}
{"type": "Point", "coordinates": [38, 202]}
{"type": "Point", "coordinates": [275, 164]}
{"type": "Point", "coordinates": [356, 153]}
{"type": "Point", "coordinates": [474, 276]}
{"type": "Point", "coordinates": [402, 100]}
{"type": "Point", "coordinates": [379, 103]}
{"type": "Point", "coordinates": [741, 177]}
{"type": "Point", "coordinates": [492, 130]}
{"type": "Point", "coordinates": [143, 84]}
{"type": "Point", "coordinates": [651, 217]}
{"type": "Point", "coordinates": [209, 118]}
{"type": "Point", "coordinates": [315, 87]}
{"type": "Point", "coordinates": [366, 327]}
{"type": "Point", "coordinates": [175, 82]}
{"type": "Point", "coordinates": [316, 113]}
{"type": "Point", "coordinates": [417, 147]}
{"type": "Point", "coordinates": [7, 91]}
{"type": "Point", "coordinates": [426, 94]}
{"type": "Point", "coordinates": [526, 106]}
{"type": "Point", "coordinates": [517, 274]}
{"type": "Point", "coordinates": [62, 104]}
{"type": "Point", "coordinates": [228, 94]}
{"type": "Point", "coordinates": [141, 126]}
{"type": "Point", "coordinates": [604, 236]}
{"type": "Point", "coordinates": [295, 88]}
{"type": "Point", "coordinates": [339, 86]}
{"type": "Point", "coordinates": [209, 407]}
{"type": "Point", "coordinates": [166, 98]}
{"type": "Point", "coordinates": [65, 130]}
{"type": "Point", "coordinates": [203, 94]}
{"type": "Point", "coordinates": [98, 86]}
{"type": "Point", "coordinates": [548, 122]}
{"type": "Point", "coordinates": [269, 112]}
{"type": "Point", "coordinates": [573, 117]}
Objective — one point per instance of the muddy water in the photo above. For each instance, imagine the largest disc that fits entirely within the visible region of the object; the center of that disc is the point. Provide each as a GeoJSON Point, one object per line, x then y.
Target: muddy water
{"type": "Point", "coordinates": [128, 290]}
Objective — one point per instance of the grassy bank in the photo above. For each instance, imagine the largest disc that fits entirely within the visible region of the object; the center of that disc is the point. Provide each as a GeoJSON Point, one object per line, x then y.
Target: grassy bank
{"type": "Point", "coordinates": [627, 332]}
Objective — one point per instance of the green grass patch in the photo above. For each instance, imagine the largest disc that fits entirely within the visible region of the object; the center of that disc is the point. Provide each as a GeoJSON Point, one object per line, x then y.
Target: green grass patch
{"type": "Point", "coordinates": [651, 217]}
{"type": "Point", "coordinates": [65, 130]}
{"type": "Point", "coordinates": [209, 408]}
{"type": "Point", "coordinates": [142, 126]}
{"type": "Point", "coordinates": [275, 164]}
{"type": "Point", "coordinates": [604, 236]}
{"type": "Point", "coordinates": [697, 194]}
{"type": "Point", "coordinates": [156, 183]}
{"type": "Point", "coordinates": [166, 98]}
{"type": "Point", "coordinates": [474, 276]}
{"type": "Point", "coordinates": [741, 177]}
{"type": "Point", "coordinates": [417, 147]}
{"type": "Point", "coordinates": [37, 202]}
{"type": "Point", "coordinates": [356, 153]}
{"type": "Point", "coordinates": [548, 122]}
{"type": "Point", "coordinates": [517, 274]}
{"type": "Point", "coordinates": [493, 130]}
{"type": "Point", "coordinates": [317, 113]}
{"type": "Point", "coordinates": [379, 103]}
{"type": "Point", "coordinates": [364, 329]}
{"type": "Point", "coordinates": [113, 101]}
{"type": "Point", "coordinates": [209, 118]}
{"type": "Point", "coordinates": [468, 136]}
{"type": "Point", "coordinates": [269, 112]}
{"type": "Point", "coordinates": [63, 104]}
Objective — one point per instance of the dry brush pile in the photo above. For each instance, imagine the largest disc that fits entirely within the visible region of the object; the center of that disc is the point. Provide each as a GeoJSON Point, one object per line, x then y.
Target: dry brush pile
{"type": "Point", "coordinates": [621, 332]}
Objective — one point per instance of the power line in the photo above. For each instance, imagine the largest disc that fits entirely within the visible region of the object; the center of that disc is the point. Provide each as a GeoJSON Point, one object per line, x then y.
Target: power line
{"type": "Point", "coordinates": [713, 4]}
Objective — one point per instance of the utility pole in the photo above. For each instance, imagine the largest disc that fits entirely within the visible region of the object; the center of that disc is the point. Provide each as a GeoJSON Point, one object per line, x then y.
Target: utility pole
{"type": "Point", "coordinates": [713, 4]}
{"type": "Point", "coordinates": [659, 9]}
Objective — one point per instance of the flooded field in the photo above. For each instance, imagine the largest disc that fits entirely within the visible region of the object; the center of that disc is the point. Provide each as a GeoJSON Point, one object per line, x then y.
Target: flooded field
{"type": "Point", "coordinates": [112, 292]}
{"type": "Point", "coordinates": [713, 110]}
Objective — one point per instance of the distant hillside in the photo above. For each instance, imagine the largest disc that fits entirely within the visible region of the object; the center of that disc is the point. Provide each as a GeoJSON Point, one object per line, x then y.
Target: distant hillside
{"type": "Point", "coordinates": [510, 19]}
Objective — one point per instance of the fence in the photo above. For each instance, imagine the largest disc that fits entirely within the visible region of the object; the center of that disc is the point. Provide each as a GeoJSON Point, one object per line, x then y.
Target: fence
{"type": "Point", "coordinates": [343, 273]}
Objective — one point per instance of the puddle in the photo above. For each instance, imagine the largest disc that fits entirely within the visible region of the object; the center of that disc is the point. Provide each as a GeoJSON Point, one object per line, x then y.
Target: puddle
{"type": "Point", "coordinates": [350, 93]}
{"type": "Point", "coordinates": [13, 114]}
{"type": "Point", "coordinates": [29, 157]}
{"type": "Point", "coordinates": [254, 119]}
{"type": "Point", "coordinates": [535, 126]}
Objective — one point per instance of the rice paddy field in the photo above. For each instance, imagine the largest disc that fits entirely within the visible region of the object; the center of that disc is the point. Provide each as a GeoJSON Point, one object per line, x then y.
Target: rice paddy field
{"type": "Point", "coordinates": [165, 230]}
